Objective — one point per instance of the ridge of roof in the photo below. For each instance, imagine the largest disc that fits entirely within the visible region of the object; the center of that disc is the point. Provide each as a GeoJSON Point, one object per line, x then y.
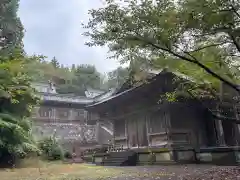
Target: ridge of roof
{"type": "Point", "coordinates": [126, 91]}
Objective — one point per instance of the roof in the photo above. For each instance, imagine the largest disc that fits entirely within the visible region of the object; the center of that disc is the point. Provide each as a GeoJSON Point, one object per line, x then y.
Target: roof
{"type": "Point", "coordinates": [128, 90]}
{"type": "Point", "coordinates": [153, 75]}
{"type": "Point", "coordinates": [65, 98]}
{"type": "Point", "coordinates": [105, 95]}
{"type": "Point", "coordinates": [92, 93]}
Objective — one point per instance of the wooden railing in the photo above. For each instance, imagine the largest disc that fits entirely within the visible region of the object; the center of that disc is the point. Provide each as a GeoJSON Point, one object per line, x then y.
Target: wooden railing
{"type": "Point", "coordinates": [55, 114]}
{"type": "Point", "coordinates": [65, 98]}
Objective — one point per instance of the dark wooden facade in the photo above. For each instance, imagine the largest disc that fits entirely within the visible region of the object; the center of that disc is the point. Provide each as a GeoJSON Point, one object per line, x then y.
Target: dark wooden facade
{"type": "Point", "coordinates": [141, 121]}
{"type": "Point", "coordinates": [65, 118]}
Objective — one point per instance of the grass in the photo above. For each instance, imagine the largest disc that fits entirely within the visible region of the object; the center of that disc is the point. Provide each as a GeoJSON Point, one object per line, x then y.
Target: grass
{"type": "Point", "coordinates": [59, 171]}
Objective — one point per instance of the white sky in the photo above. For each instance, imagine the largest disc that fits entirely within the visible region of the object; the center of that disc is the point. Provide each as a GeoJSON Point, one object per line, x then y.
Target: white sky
{"type": "Point", "coordinates": [53, 28]}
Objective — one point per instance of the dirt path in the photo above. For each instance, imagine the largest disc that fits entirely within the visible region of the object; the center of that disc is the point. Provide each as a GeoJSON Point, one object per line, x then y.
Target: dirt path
{"type": "Point", "coordinates": [178, 172]}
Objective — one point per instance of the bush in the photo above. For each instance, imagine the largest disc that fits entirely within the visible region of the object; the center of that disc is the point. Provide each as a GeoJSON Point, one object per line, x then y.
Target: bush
{"type": "Point", "coordinates": [152, 158]}
{"type": "Point", "coordinates": [51, 150]}
{"type": "Point", "coordinates": [16, 142]}
{"type": "Point", "coordinates": [67, 155]}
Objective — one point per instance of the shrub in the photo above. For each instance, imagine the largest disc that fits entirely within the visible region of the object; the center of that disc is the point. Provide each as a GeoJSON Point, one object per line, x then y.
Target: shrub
{"type": "Point", "coordinates": [151, 158]}
{"type": "Point", "coordinates": [16, 142]}
{"type": "Point", "coordinates": [67, 155]}
{"type": "Point", "coordinates": [51, 150]}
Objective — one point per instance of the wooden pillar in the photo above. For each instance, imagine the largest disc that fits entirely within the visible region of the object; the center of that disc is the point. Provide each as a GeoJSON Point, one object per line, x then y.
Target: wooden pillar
{"type": "Point", "coordinates": [54, 115]}
{"type": "Point", "coordinates": [218, 123]}
{"type": "Point", "coordinates": [147, 130]}
{"type": "Point", "coordinates": [168, 124]}
{"type": "Point", "coordinates": [219, 133]}
{"type": "Point", "coordinates": [85, 116]}
{"type": "Point", "coordinates": [71, 114]}
{"type": "Point", "coordinates": [126, 131]}
{"type": "Point", "coordinates": [237, 127]}
{"type": "Point", "coordinates": [114, 129]}
{"type": "Point", "coordinates": [98, 132]}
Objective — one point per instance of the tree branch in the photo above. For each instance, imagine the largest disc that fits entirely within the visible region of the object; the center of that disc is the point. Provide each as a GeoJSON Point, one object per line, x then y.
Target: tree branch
{"type": "Point", "coordinates": [220, 118]}
{"type": "Point", "coordinates": [194, 61]}
{"type": "Point", "coordinates": [223, 118]}
{"type": "Point", "coordinates": [235, 11]}
{"type": "Point", "coordinates": [234, 41]}
{"type": "Point", "coordinates": [208, 46]}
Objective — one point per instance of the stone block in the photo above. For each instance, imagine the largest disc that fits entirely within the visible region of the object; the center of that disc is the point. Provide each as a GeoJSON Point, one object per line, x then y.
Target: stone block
{"type": "Point", "coordinates": [237, 155]}
{"type": "Point", "coordinates": [185, 156]}
{"type": "Point", "coordinates": [98, 159]}
{"type": "Point", "coordinates": [165, 156]}
{"type": "Point", "coordinates": [219, 156]}
{"type": "Point", "coordinates": [143, 157]}
{"type": "Point", "coordinates": [204, 157]}
{"type": "Point", "coordinates": [224, 158]}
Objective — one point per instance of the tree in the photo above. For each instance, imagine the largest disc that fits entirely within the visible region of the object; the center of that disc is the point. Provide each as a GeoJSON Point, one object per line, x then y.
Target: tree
{"type": "Point", "coordinates": [68, 80]}
{"type": "Point", "coordinates": [17, 99]}
{"type": "Point", "coordinates": [199, 38]}
{"type": "Point", "coordinates": [11, 29]}
{"type": "Point", "coordinates": [86, 76]}
{"type": "Point", "coordinates": [55, 62]}
{"type": "Point", "coordinates": [171, 30]}
{"type": "Point", "coordinates": [117, 77]}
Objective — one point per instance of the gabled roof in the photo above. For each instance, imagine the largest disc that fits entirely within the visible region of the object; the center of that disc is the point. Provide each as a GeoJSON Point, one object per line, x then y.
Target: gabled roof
{"type": "Point", "coordinates": [122, 93]}
{"type": "Point", "coordinates": [152, 78]}
{"type": "Point", "coordinates": [105, 95]}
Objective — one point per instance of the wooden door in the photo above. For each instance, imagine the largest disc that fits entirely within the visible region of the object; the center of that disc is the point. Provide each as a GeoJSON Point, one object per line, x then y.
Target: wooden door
{"type": "Point", "coordinates": [142, 132]}
{"type": "Point", "coordinates": [132, 133]}
{"type": "Point", "coordinates": [137, 133]}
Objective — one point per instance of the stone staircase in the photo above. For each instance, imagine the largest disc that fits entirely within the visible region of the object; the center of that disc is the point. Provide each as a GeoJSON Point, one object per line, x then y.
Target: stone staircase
{"type": "Point", "coordinates": [122, 158]}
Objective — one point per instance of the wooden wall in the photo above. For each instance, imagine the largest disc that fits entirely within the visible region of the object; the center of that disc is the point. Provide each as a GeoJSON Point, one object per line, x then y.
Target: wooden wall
{"type": "Point", "coordinates": [174, 125]}
{"type": "Point", "coordinates": [59, 114]}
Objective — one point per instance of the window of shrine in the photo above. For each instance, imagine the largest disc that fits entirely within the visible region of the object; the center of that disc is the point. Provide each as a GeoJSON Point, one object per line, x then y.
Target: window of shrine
{"type": "Point", "coordinates": [45, 112]}
{"type": "Point", "coordinates": [63, 113]}
{"type": "Point", "coordinates": [80, 112]}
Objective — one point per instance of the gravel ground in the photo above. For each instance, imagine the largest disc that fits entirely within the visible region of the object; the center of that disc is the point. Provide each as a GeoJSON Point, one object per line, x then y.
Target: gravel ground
{"type": "Point", "coordinates": [179, 172]}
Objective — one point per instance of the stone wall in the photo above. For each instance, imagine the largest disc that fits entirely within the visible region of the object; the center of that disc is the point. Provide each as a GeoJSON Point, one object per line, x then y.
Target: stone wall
{"type": "Point", "coordinates": [65, 131]}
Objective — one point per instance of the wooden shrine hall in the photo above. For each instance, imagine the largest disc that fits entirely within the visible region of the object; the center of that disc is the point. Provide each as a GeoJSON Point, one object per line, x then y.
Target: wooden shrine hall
{"type": "Point", "coordinates": [148, 131]}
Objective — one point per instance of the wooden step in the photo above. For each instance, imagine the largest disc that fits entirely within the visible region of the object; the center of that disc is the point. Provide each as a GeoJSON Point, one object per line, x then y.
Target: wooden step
{"type": "Point", "coordinates": [123, 158]}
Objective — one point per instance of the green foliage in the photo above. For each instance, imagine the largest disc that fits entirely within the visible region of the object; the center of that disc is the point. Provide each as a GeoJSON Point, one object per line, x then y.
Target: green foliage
{"type": "Point", "coordinates": [55, 63]}
{"type": "Point", "coordinates": [117, 77]}
{"type": "Point", "coordinates": [16, 95]}
{"type": "Point", "coordinates": [73, 80]}
{"type": "Point", "coordinates": [11, 29]}
{"type": "Point", "coordinates": [198, 38]}
{"type": "Point", "coordinates": [15, 136]}
{"type": "Point", "coordinates": [152, 158]}
{"type": "Point", "coordinates": [51, 150]}
{"type": "Point", "coordinates": [17, 99]}
{"type": "Point", "coordinates": [68, 155]}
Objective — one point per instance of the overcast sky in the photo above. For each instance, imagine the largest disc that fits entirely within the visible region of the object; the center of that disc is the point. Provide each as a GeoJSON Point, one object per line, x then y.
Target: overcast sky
{"type": "Point", "coordinates": [53, 28]}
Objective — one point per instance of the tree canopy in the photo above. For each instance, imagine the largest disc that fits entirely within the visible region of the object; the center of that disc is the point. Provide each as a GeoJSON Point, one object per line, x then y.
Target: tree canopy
{"type": "Point", "coordinates": [74, 79]}
{"type": "Point", "coordinates": [11, 28]}
{"type": "Point", "coordinates": [117, 77]}
{"type": "Point", "coordinates": [17, 98]}
{"type": "Point", "coordinates": [199, 38]}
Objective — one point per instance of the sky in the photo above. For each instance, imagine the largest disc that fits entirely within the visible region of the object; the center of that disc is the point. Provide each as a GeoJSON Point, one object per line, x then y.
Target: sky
{"type": "Point", "coordinates": [53, 28]}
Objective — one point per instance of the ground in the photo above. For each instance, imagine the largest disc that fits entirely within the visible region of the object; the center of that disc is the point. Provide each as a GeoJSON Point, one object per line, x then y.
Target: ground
{"type": "Point", "coordinates": [59, 171]}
